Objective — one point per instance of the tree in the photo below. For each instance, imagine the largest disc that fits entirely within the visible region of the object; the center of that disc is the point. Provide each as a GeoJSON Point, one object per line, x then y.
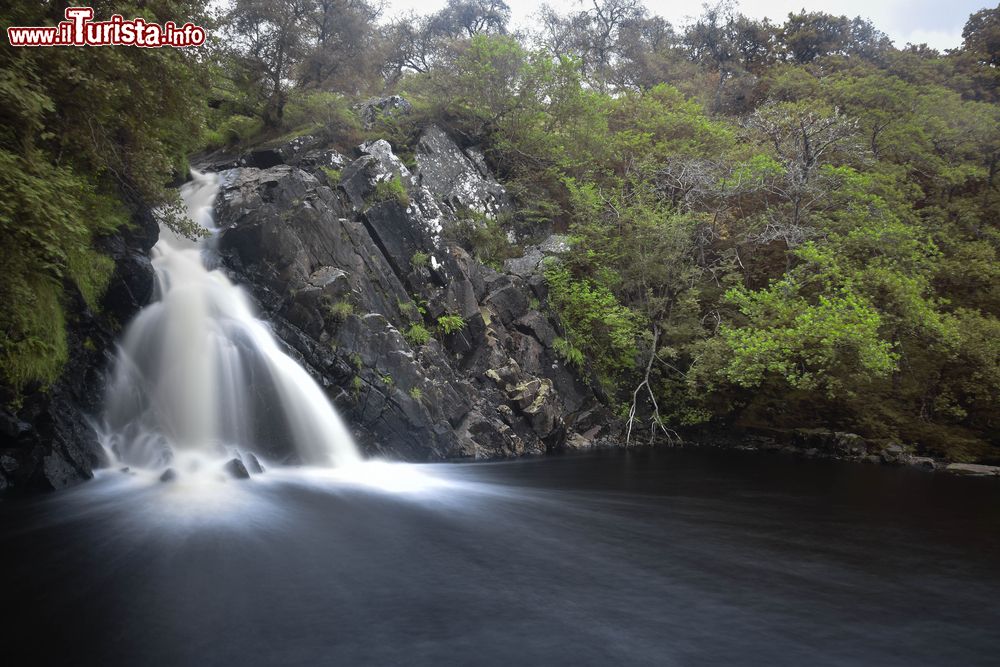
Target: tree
{"type": "Point", "coordinates": [417, 42]}
{"type": "Point", "coordinates": [340, 54]}
{"type": "Point", "coordinates": [269, 39]}
{"type": "Point", "coordinates": [595, 35]}
{"type": "Point", "coordinates": [802, 137]}
{"type": "Point", "coordinates": [88, 136]}
{"type": "Point", "coordinates": [473, 17]}
{"type": "Point", "coordinates": [980, 54]}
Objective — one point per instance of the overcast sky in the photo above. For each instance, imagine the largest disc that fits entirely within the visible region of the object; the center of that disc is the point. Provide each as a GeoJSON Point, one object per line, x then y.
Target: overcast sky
{"type": "Point", "coordinates": [935, 22]}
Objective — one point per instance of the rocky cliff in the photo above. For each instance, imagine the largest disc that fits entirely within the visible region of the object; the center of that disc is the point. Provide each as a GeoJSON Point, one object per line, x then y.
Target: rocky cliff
{"type": "Point", "coordinates": [46, 440]}
{"type": "Point", "coordinates": [347, 259]}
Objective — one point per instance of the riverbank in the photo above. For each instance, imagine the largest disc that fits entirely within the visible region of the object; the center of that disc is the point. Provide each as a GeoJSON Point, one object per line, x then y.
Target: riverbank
{"type": "Point", "coordinates": [832, 445]}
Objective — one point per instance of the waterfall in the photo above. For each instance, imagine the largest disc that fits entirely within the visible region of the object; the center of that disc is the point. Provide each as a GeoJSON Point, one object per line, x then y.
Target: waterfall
{"type": "Point", "coordinates": [197, 375]}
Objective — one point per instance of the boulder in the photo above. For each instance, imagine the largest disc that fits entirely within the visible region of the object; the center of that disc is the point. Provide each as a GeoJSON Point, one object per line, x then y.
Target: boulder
{"type": "Point", "coordinates": [893, 453]}
{"type": "Point", "coordinates": [235, 469]}
{"type": "Point", "coordinates": [973, 470]}
{"type": "Point", "coordinates": [169, 475]}
{"type": "Point", "coordinates": [253, 463]}
{"type": "Point", "coordinates": [923, 462]}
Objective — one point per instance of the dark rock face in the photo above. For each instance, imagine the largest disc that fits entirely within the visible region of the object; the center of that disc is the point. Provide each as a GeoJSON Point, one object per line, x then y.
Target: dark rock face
{"type": "Point", "coordinates": [337, 275]}
{"type": "Point", "coordinates": [457, 178]}
{"type": "Point", "coordinates": [47, 442]}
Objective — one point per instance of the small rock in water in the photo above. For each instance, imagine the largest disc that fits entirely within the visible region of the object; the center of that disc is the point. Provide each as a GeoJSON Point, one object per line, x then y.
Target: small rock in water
{"type": "Point", "coordinates": [253, 464]}
{"type": "Point", "coordinates": [168, 475]}
{"type": "Point", "coordinates": [125, 470]}
{"type": "Point", "coordinates": [236, 469]}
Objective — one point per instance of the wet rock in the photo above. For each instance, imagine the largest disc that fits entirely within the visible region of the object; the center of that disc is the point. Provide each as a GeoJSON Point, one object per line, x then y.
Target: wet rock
{"type": "Point", "coordinates": [235, 469]}
{"type": "Point", "coordinates": [253, 463]}
{"type": "Point", "coordinates": [973, 470]}
{"type": "Point", "coordinates": [482, 438]}
{"type": "Point", "coordinates": [169, 475]}
{"type": "Point", "coordinates": [922, 462]}
{"type": "Point", "coordinates": [376, 163]}
{"type": "Point", "coordinates": [578, 441]}
{"type": "Point", "coordinates": [893, 454]}
{"type": "Point", "coordinates": [508, 303]}
{"type": "Point", "coordinates": [262, 159]}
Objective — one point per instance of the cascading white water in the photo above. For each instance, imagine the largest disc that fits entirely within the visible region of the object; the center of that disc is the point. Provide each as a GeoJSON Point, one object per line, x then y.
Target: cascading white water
{"type": "Point", "coordinates": [198, 376]}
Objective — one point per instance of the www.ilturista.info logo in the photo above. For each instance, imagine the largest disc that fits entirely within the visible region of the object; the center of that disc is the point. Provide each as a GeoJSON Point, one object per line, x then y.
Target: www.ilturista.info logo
{"type": "Point", "coordinates": [79, 30]}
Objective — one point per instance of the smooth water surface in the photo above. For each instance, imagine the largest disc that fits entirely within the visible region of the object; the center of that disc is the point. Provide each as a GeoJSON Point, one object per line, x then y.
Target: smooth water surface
{"type": "Point", "coordinates": [662, 557]}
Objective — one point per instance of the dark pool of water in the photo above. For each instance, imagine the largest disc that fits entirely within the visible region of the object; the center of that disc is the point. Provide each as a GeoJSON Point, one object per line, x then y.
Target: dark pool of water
{"type": "Point", "coordinates": [688, 557]}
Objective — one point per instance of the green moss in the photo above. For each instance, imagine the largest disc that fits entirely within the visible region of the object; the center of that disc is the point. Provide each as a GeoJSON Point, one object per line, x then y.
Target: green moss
{"type": "Point", "coordinates": [339, 311]}
{"type": "Point", "coordinates": [392, 189]}
{"type": "Point", "coordinates": [420, 260]}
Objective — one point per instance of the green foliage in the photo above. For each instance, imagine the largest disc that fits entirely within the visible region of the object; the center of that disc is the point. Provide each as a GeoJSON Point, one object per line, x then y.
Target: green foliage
{"type": "Point", "coordinates": [338, 311]}
{"type": "Point", "coordinates": [598, 326]}
{"type": "Point", "coordinates": [568, 353]}
{"type": "Point", "coordinates": [833, 345]}
{"type": "Point", "coordinates": [86, 137]}
{"type": "Point", "coordinates": [391, 189]}
{"type": "Point", "coordinates": [416, 393]}
{"type": "Point", "coordinates": [417, 335]}
{"type": "Point", "coordinates": [332, 175]}
{"type": "Point", "coordinates": [450, 324]}
{"type": "Point", "coordinates": [799, 253]}
{"type": "Point", "coordinates": [420, 260]}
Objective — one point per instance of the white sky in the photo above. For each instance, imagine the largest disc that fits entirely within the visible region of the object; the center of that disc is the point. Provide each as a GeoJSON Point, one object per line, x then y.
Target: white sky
{"type": "Point", "coordinates": [936, 22]}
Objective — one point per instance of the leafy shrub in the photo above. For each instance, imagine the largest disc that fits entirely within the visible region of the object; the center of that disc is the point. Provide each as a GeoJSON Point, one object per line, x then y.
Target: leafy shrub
{"type": "Point", "coordinates": [598, 325]}
{"type": "Point", "coordinates": [449, 324]}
